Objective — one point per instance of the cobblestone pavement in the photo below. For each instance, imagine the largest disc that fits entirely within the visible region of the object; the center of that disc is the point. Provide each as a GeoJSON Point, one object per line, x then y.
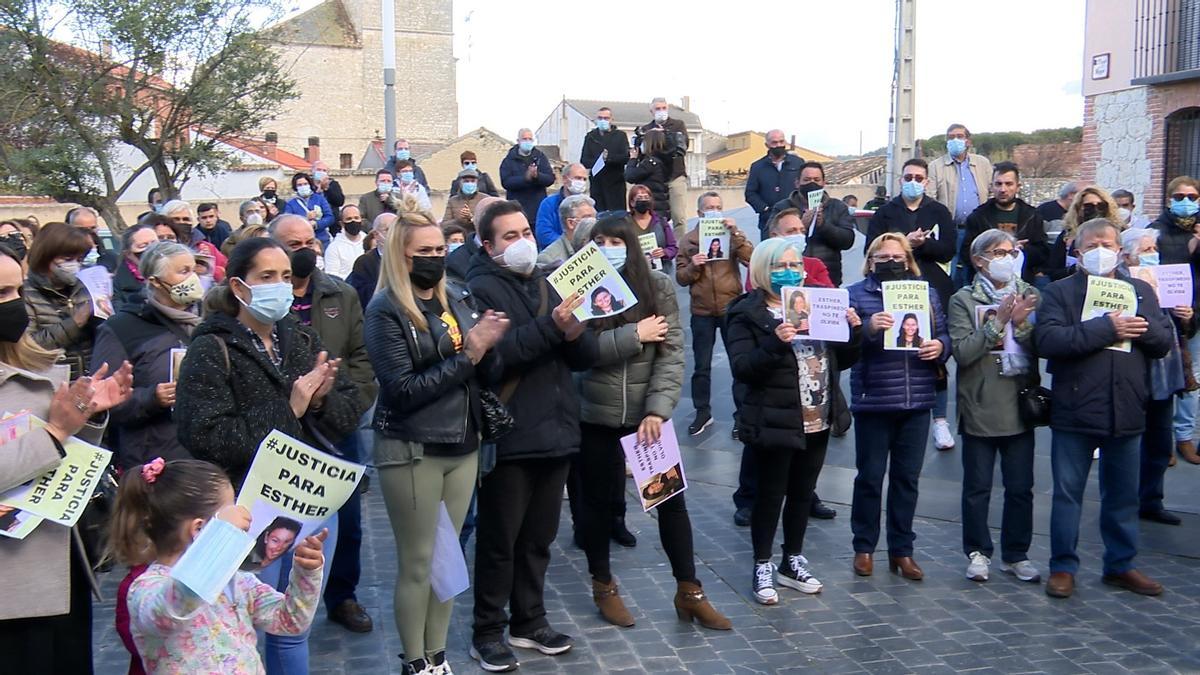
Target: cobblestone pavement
{"type": "Point", "coordinates": [880, 624]}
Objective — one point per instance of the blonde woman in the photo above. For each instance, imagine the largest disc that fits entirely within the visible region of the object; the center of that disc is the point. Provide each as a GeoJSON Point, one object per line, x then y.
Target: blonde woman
{"type": "Point", "coordinates": [433, 354]}
{"type": "Point", "coordinates": [1090, 202]}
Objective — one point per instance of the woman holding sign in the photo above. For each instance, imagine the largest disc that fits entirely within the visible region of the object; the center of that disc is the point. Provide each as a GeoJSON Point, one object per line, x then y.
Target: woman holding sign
{"type": "Point", "coordinates": [988, 394]}
{"type": "Point", "coordinates": [892, 393]}
{"type": "Point", "coordinates": [792, 401]}
{"type": "Point", "coordinates": [647, 220]}
{"type": "Point", "coordinates": [634, 389]}
{"type": "Point", "coordinates": [148, 335]}
{"type": "Point", "coordinates": [46, 612]}
{"type": "Point", "coordinates": [433, 355]}
{"type": "Point", "coordinates": [251, 369]}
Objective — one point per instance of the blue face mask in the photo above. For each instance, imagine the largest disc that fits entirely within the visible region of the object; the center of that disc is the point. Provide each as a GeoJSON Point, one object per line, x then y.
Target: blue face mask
{"type": "Point", "coordinates": [406, 176]}
{"type": "Point", "coordinates": [912, 189]}
{"type": "Point", "coordinates": [799, 241]}
{"type": "Point", "coordinates": [320, 176]}
{"type": "Point", "coordinates": [269, 302]}
{"type": "Point", "coordinates": [470, 165]}
{"type": "Point", "coordinates": [781, 278]}
{"type": "Point", "coordinates": [956, 147]}
{"type": "Point", "coordinates": [615, 255]}
{"type": "Point", "coordinates": [468, 188]}
{"type": "Point", "coordinates": [453, 246]}
{"type": "Point", "coordinates": [403, 155]}
{"type": "Point", "coordinates": [1184, 208]}
{"type": "Point", "coordinates": [1148, 259]}
{"type": "Point", "coordinates": [603, 125]}
{"type": "Point", "coordinates": [304, 190]}
{"type": "Point", "coordinates": [525, 146]}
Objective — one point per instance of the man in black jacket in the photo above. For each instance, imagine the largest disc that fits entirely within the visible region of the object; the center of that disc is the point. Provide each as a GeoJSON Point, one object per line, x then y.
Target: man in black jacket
{"type": "Point", "coordinates": [608, 186]}
{"type": "Point", "coordinates": [677, 147]}
{"type": "Point", "coordinates": [519, 501]}
{"type": "Point", "coordinates": [1100, 363]}
{"type": "Point", "coordinates": [770, 177]}
{"type": "Point", "coordinates": [403, 153]}
{"type": "Point", "coordinates": [832, 231]}
{"type": "Point", "coordinates": [1008, 212]}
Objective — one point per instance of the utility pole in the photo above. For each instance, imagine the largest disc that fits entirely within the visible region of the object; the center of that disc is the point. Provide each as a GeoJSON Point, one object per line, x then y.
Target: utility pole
{"type": "Point", "coordinates": [902, 124]}
{"type": "Point", "coordinates": [389, 76]}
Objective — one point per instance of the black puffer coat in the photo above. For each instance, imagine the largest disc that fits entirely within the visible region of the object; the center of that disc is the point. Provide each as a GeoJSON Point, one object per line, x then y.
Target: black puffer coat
{"type": "Point", "coordinates": [229, 399]}
{"type": "Point", "coordinates": [651, 171]}
{"type": "Point", "coordinates": [770, 414]}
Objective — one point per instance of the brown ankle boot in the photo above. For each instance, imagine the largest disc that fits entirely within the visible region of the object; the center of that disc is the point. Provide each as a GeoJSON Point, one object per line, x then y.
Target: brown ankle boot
{"type": "Point", "coordinates": [1187, 450]}
{"type": "Point", "coordinates": [612, 608]}
{"type": "Point", "coordinates": [691, 603]}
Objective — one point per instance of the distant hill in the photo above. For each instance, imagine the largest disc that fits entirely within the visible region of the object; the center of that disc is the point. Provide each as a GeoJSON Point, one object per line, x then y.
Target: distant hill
{"type": "Point", "coordinates": [997, 145]}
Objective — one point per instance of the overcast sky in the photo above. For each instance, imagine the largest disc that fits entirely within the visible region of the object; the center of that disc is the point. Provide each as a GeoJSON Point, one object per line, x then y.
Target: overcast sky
{"type": "Point", "coordinates": [819, 70]}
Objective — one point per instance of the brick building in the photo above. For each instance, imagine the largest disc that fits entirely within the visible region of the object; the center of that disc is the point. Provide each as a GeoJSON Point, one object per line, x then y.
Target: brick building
{"type": "Point", "coordinates": [1141, 87]}
{"type": "Point", "coordinates": [334, 52]}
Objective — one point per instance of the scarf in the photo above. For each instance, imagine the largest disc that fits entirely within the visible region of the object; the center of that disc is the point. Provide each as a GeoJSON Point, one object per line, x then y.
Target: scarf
{"type": "Point", "coordinates": [134, 269]}
{"type": "Point", "coordinates": [1187, 224]}
{"type": "Point", "coordinates": [1011, 365]}
{"type": "Point", "coordinates": [183, 317]}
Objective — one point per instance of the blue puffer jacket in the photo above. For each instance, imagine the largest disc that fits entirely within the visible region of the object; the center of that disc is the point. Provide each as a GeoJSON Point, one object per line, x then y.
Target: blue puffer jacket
{"type": "Point", "coordinates": [892, 381]}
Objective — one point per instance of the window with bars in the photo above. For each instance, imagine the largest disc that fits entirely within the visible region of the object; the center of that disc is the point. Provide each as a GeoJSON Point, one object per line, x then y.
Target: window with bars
{"type": "Point", "coordinates": [1183, 144]}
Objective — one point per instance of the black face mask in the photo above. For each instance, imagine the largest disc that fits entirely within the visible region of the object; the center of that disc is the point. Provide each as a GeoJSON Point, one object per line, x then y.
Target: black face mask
{"type": "Point", "coordinates": [353, 227]}
{"type": "Point", "coordinates": [304, 262]}
{"type": "Point", "coordinates": [15, 243]}
{"type": "Point", "coordinates": [427, 270]}
{"type": "Point", "coordinates": [641, 207]}
{"type": "Point", "coordinates": [891, 270]}
{"type": "Point", "coordinates": [808, 187]}
{"type": "Point", "coordinates": [13, 320]}
{"type": "Point", "coordinates": [778, 153]}
{"type": "Point", "coordinates": [269, 195]}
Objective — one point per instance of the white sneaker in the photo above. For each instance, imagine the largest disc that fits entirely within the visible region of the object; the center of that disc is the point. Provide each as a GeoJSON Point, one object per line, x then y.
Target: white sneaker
{"type": "Point", "coordinates": [1096, 453]}
{"type": "Point", "coordinates": [1024, 570]}
{"type": "Point", "coordinates": [764, 583]}
{"type": "Point", "coordinates": [795, 574]}
{"type": "Point", "coordinates": [977, 569]}
{"type": "Point", "coordinates": [942, 438]}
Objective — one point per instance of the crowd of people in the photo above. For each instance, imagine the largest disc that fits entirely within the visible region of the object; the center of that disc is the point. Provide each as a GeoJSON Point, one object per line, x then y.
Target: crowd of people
{"type": "Point", "coordinates": [437, 351]}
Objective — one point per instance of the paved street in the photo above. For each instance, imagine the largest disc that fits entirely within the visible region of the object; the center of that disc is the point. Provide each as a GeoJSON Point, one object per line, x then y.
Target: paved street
{"type": "Point", "coordinates": [881, 624]}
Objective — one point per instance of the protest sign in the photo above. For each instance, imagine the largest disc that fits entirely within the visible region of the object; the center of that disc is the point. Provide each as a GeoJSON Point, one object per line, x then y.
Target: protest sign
{"type": "Point", "coordinates": [908, 303]}
{"type": "Point", "coordinates": [448, 573]}
{"type": "Point", "coordinates": [818, 313]}
{"type": "Point", "coordinates": [1106, 295]}
{"type": "Point", "coordinates": [657, 467]}
{"type": "Point", "coordinates": [814, 198]}
{"type": "Point", "coordinates": [1008, 344]}
{"type": "Point", "coordinates": [648, 242]}
{"type": "Point", "coordinates": [713, 238]}
{"type": "Point", "coordinates": [1172, 283]}
{"type": "Point", "coordinates": [177, 355]}
{"type": "Point", "coordinates": [61, 494]}
{"type": "Point", "coordinates": [290, 491]}
{"type": "Point", "coordinates": [211, 561]}
{"type": "Point", "coordinates": [17, 524]}
{"type": "Point", "coordinates": [589, 274]}
{"type": "Point", "coordinates": [99, 286]}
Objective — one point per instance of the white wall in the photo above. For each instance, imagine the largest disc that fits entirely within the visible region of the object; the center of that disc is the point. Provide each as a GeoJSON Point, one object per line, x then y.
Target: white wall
{"type": "Point", "coordinates": [231, 184]}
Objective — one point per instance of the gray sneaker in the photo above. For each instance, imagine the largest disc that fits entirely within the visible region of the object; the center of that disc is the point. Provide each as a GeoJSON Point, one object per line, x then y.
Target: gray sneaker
{"type": "Point", "coordinates": [977, 569]}
{"type": "Point", "coordinates": [1024, 570]}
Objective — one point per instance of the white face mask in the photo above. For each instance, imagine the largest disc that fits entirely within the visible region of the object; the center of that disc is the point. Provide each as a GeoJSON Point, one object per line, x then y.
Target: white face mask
{"type": "Point", "coordinates": [577, 186]}
{"type": "Point", "coordinates": [714, 214]}
{"type": "Point", "coordinates": [1001, 270]}
{"type": "Point", "coordinates": [254, 218]}
{"type": "Point", "coordinates": [1124, 214]}
{"type": "Point", "coordinates": [1099, 261]}
{"type": "Point", "coordinates": [520, 256]}
{"type": "Point", "coordinates": [661, 115]}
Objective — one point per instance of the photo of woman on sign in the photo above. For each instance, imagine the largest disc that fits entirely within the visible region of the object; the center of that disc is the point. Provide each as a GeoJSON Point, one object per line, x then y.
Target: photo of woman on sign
{"type": "Point", "coordinates": [799, 312]}
{"type": "Point", "coordinates": [715, 252]}
{"type": "Point", "coordinates": [909, 335]}
{"type": "Point", "coordinates": [604, 303]}
{"type": "Point", "coordinates": [274, 541]}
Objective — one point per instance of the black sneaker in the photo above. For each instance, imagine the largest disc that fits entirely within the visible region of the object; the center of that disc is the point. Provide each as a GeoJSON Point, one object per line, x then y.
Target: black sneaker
{"type": "Point", "coordinates": [795, 574]}
{"type": "Point", "coordinates": [820, 511]}
{"type": "Point", "coordinates": [703, 421]}
{"type": "Point", "coordinates": [546, 640]}
{"type": "Point", "coordinates": [734, 434]}
{"type": "Point", "coordinates": [494, 657]}
{"type": "Point", "coordinates": [418, 667]}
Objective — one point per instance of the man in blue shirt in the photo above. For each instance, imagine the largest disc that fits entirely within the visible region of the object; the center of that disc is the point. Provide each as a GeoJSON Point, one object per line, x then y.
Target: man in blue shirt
{"type": "Point", "coordinates": [959, 180]}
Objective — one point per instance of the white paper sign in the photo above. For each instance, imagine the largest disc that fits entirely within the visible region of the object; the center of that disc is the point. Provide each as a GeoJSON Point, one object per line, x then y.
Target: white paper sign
{"type": "Point", "coordinates": [1173, 283]}
{"type": "Point", "coordinates": [99, 285]}
{"type": "Point", "coordinates": [448, 572]}
{"type": "Point", "coordinates": [657, 467]}
{"type": "Point", "coordinates": [818, 313]}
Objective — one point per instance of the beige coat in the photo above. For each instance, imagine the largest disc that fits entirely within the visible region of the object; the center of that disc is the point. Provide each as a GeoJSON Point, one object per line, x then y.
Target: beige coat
{"type": "Point", "coordinates": [38, 568]}
{"type": "Point", "coordinates": [943, 178]}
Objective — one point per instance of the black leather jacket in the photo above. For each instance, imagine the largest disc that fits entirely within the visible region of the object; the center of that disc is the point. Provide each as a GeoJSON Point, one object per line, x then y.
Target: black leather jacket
{"type": "Point", "coordinates": [426, 389]}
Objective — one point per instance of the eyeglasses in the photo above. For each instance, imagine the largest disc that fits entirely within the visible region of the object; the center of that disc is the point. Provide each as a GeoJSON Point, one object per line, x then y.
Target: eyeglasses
{"type": "Point", "coordinates": [782, 266]}
{"type": "Point", "coordinates": [1180, 197]}
{"type": "Point", "coordinates": [899, 257]}
{"type": "Point", "coordinates": [998, 253]}
{"type": "Point", "coordinates": [913, 178]}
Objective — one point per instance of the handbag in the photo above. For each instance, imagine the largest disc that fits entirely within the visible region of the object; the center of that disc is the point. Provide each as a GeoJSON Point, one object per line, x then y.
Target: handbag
{"type": "Point", "coordinates": [497, 422]}
{"type": "Point", "coordinates": [1033, 404]}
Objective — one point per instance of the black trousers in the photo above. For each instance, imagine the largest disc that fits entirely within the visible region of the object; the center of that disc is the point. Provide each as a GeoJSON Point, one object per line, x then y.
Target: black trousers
{"type": "Point", "coordinates": [1016, 469]}
{"type": "Point", "coordinates": [518, 513]}
{"type": "Point", "coordinates": [55, 645]}
{"type": "Point", "coordinates": [1158, 442]}
{"type": "Point", "coordinates": [790, 474]}
{"type": "Point", "coordinates": [608, 189]}
{"type": "Point", "coordinates": [602, 470]}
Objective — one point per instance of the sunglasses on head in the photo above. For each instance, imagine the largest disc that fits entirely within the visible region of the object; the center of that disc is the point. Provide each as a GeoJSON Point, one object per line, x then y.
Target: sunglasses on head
{"type": "Point", "coordinates": [1180, 197]}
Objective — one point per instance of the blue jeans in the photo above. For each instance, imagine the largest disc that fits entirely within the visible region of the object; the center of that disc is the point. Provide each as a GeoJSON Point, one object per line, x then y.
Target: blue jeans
{"type": "Point", "coordinates": [959, 273]}
{"type": "Point", "coordinates": [1016, 468]}
{"type": "Point", "coordinates": [941, 402]}
{"type": "Point", "coordinates": [1157, 446]}
{"type": "Point", "coordinates": [288, 654]}
{"type": "Point", "coordinates": [704, 338]}
{"type": "Point", "coordinates": [902, 436]}
{"type": "Point", "coordinates": [344, 570]}
{"type": "Point", "coordinates": [1070, 462]}
{"type": "Point", "coordinates": [1185, 406]}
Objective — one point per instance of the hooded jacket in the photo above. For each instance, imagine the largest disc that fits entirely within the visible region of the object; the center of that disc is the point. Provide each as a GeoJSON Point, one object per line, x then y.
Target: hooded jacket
{"type": "Point", "coordinates": [536, 385]}
{"type": "Point", "coordinates": [770, 412]}
{"type": "Point", "coordinates": [891, 380]}
{"type": "Point", "coordinates": [229, 399]}
{"type": "Point", "coordinates": [632, 379]}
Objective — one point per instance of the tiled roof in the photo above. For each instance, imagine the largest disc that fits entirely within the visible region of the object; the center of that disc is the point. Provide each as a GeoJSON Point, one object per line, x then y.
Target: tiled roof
{"type": "Point", "coordinates": [268, 152]}
{"type": "Point", "coordinates": [837, 173]}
